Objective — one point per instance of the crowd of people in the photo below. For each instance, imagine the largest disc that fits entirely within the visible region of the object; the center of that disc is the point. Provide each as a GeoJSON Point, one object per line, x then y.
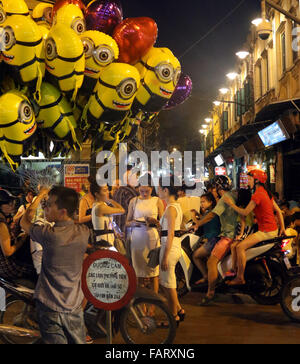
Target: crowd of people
{"type": "Point", "coordinates": [49, 236]}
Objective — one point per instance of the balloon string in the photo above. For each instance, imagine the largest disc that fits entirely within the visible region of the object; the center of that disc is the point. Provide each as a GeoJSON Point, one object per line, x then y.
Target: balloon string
{"type": "Point", "coordinates": [213, 29]}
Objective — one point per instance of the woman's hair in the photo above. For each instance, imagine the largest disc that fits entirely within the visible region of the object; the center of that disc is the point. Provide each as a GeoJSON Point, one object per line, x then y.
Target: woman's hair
{"type": "Point", "coordinates": [173, 187]}
{"type": "Point", "coordinates": [210, 198]}
{"type": "Point", "coordinates": [244, 198]}
{"type": "Point", "coordinates": [266, 188]}
{"type": "Point", "coordinates": [95, 188]}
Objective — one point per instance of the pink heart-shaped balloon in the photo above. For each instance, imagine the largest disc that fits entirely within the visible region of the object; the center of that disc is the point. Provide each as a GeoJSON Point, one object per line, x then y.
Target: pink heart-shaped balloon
{"type": "Point", "coordinates": [135, 38]}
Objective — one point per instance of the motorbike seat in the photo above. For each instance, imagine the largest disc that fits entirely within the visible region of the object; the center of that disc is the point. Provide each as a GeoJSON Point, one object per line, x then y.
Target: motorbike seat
{"type": "Point", "coordinates": [274, 241]}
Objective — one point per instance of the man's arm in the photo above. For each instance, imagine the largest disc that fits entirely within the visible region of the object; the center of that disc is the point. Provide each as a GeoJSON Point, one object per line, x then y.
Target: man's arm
{"type": "Point", "coordinates": [243, 212]}
{"type": "Point", "coordinates": [26, 221]}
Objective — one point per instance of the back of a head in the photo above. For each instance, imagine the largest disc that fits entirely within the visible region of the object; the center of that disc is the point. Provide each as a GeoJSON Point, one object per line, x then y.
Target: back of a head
{"type": "Point", "coordinates": [172, 184]}
{"type": "Point", "coordinates": [66, 198]}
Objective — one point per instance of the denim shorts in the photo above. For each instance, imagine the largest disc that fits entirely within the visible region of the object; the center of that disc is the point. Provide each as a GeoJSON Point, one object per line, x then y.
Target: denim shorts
{"type": "Point", "coordinates": [210, 244]}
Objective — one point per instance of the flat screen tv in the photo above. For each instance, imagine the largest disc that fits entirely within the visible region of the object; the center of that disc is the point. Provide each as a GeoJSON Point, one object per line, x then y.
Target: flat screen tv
{"type": "Point", "coordinates": [219, 160]}
{"type": "Point", "coordinates": [274, 134]}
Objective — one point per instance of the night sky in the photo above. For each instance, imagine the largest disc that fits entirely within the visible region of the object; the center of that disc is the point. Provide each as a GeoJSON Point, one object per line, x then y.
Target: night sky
{"type": "Point", "coordinates": [181, 24]}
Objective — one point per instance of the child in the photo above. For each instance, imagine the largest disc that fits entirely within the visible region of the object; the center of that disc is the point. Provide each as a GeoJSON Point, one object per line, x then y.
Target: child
{"type": "Point", "coordinates": [58, 293]}
{"type": "Point", "coordinates": [211, 231]}
{"type": "Point", "coordinates": [291, 247]}
{"type": "Point", "coordinates": [244, 229]}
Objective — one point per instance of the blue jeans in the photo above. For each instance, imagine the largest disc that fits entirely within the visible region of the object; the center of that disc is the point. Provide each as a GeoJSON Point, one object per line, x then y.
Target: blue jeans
{"type": "Point", "coordinates": [61, 328]}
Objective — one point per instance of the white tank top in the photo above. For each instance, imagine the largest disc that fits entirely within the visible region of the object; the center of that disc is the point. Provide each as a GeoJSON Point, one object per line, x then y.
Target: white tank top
{"type": "Point", "coordinates": [146, 208]}
{"type": "Point", "coordinates": [178, 221]}
{"type": "Point", "coordinates": [102, 223]}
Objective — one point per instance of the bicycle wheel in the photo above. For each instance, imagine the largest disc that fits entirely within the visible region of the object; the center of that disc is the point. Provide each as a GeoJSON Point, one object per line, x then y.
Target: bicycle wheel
{"type": "Point", "coordinates": [147, 322]}
{"type": "Point", "coordinates": [15, 316]}
{"type": "Point", "coordinates": [290, 299]}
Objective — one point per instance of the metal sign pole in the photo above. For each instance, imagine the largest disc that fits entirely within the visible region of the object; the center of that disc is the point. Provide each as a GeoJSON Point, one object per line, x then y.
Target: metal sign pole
{"type": "Point", "coordinates": [108, 328]}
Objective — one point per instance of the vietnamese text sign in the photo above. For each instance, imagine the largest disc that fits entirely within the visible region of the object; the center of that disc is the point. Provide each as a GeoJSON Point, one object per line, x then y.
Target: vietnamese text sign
{"type": "Point", "coordinates": [76, 175]}
{"type": "Point", "coordinates": [108, 281]}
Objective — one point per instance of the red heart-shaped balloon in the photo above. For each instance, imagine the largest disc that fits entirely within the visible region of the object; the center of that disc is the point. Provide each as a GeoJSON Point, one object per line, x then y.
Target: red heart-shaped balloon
{"type": "Point", "coordinates": [135, 38]}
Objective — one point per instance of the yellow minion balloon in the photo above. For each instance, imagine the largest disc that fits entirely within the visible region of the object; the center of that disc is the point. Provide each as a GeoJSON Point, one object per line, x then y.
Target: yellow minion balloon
{"type": "Point", "coordinates": [71, 16]}
{"type": "Point", "coordinates": [100, 51]}
{"type": "Point", "coordinates": [113, 96]}
{"type": "Point", "coordinates": [22, 49]}
{"type": "Point", "coordinates": [160, 71]}
{"type": "Point", "coordinates": [56, 117]}
{"type": "Point", "coordinates": [12, 7]}
{"type": "Point", "coordinates": [17, 126]}
{"type": "Point", "coordinates": [65, 59]}
{"type": "Point", "coordinates": [42, 14]}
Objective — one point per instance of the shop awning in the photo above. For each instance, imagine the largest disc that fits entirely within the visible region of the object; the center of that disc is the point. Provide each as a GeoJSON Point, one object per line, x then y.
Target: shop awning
{"type": "Point", "coordinates": [274, 110]}
{"type": "Point", "coordinates": [241, 136]}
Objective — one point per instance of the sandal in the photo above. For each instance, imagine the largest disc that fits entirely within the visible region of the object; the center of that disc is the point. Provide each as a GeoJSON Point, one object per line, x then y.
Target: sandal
{"type": "Point", "coordinates": [206, 301]}
{"type": "Point", "coordinates": [177, 321]}
{"type": "Point", "coordinates": [236, 282]}
{"type": "Point", "coordinates": [181, 315]}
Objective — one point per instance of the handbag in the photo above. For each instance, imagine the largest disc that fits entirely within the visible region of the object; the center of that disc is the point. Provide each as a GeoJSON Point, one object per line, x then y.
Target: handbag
{"type": "Point", "coordinates": [153, 257]}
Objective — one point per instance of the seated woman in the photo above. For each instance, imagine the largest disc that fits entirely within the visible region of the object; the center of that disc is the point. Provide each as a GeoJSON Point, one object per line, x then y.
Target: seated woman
{"type": "Point", "coordinates": [102, 213]}
{"type": "Point", "coordinates": [263, 205]}
{"type": "Point", "coordinates": [12, 264]}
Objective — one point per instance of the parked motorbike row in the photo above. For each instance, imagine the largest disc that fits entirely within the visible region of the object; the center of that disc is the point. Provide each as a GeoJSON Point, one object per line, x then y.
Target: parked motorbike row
{"type": "Point", "coordinates": [270, 280]}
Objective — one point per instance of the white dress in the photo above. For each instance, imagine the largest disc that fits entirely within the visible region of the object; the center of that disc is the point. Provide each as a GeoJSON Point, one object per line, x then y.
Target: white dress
{"type": "Point", "coordinates": [104, 224]}
{"type": "Point", "coordinates": [168, 278]}
{"type": "Point", "coordinates": [144, 239]}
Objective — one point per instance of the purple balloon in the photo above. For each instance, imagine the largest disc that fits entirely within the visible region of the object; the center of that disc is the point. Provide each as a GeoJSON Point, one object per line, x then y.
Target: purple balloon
{"type": "Point", "coordinates": [182, 92]}
{"type": "Point", "coordinates": [104, 15]}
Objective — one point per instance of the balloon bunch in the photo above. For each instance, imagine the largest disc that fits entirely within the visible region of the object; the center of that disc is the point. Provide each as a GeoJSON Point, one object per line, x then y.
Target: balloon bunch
{"type": "Point", "coordinates": [71, 73]}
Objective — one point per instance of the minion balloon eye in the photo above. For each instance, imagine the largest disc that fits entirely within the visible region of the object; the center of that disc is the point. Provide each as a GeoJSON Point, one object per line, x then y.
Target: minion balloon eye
{"type": "Point", "coordinates": [165, 72]}
{"type": "Point", "coordinates": [78, 25]}
{"type": "Point", "coordinates": [25, 113]}
{"type": "Point", "coordinates": [88, 47]}
{"type": "Point", "coordinates": [2, 16]}
{"type": "Point", "coordinates": [177, 76]}
{"type": "Point", "coordinates": [104, 55]}
{"type": "Point", "coordinates": [51, 51]}
{"type": "Point", "coordinates": [8, 38]}
{"type": "Point", "coordinates": [126, 89]}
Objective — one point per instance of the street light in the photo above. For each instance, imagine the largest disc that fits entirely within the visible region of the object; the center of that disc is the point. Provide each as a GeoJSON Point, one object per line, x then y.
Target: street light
{"type": "Point", "coordinates": [242, 54]}
{"type": "Point", "coordinates": [224, 91]}
{"type": "Point", "coordinates": [257, 21]}
{"type": "Point", "coordinates": [217, 103]}
{"type": "Point", "coordinates": [232, 76]}
{"type": "Point", "coordinates": [208, 120]}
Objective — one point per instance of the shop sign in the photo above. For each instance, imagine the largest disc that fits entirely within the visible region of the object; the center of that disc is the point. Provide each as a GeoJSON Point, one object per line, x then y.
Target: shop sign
{"type": "Point", "coordinates": [272, 174]}
{"type": "Point", "coordinates": [76, 175]}
{"type": "Point", "coordinates": [220, 171]}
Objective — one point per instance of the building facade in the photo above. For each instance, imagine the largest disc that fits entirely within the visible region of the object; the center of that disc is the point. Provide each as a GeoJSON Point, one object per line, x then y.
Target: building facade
{"type": "Point", "coordinates": [262, 96]}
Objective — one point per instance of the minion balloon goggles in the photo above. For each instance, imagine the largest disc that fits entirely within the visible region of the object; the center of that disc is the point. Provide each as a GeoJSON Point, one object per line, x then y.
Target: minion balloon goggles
{"type": "Point", "coordinates": [102, 54]}
{"type": "Point", "coordinates": [126, 89]}
{"type": "Point", "coordinates": [8, 40]}
{"type": "Point", "coordinates": [25, 115]}
{"type": "Point", "coordinates": [165, 72]}
{"type": "Point", "coordinates": [51, 52]}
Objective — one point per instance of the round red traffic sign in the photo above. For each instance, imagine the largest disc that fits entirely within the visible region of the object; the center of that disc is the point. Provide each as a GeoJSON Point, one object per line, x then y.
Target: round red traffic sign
{"type": "Point", "coordinates": [108, 281]}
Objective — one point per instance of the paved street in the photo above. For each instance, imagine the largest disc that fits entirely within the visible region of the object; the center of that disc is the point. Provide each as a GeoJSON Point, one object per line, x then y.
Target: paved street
{"type": "Point", "coordinates": [229, 323]}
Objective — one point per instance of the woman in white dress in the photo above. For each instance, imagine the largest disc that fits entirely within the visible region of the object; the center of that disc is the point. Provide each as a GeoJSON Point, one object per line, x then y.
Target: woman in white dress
{"type": "Point", "coordinates": [102, 213]}
{"type": "Point", "coordinates": [170, 248]}
{"type": "Point", "coordinates": [142, 215]}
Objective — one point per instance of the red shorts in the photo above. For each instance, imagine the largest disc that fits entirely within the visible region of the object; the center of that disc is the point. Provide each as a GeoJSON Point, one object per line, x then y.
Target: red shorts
{"type": "Point", "coordinates": [222, 248]}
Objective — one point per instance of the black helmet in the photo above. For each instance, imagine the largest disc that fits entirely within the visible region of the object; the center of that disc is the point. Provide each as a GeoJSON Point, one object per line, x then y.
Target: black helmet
{"type": "Point", "coordinates": [223, 183]}
{"type": "Point", "coordinates": [6, 197]}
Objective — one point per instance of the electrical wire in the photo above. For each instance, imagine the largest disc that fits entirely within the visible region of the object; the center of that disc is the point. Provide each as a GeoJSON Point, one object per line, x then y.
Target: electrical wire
{"type": "Point", "coordinates": [213, 28]}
